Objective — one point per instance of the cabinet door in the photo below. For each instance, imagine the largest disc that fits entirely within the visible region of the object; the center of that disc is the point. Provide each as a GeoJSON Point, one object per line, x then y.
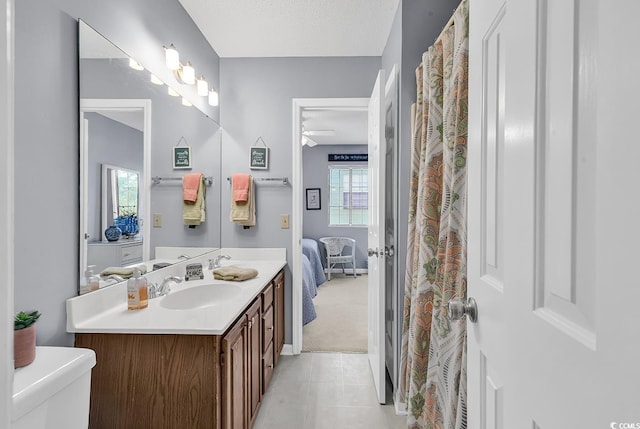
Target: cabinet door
{"type": "Point", "coordinates": [278, 308]}
{"type": "Point", "coordinates": [255, 359]}
{"type": "Point", "coordinates": [235, 376]}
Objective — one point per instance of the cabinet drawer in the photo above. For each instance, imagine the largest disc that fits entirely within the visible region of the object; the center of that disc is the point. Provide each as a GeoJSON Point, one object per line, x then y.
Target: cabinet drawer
{"type": "Point", "coordinates": [131, 254]}
{"type": "Point", "coordinates": [267, 368]}
{"type": "Point", "coordinates": [267, 329]}
{"type": "Point", "coordinates": [267, 296]}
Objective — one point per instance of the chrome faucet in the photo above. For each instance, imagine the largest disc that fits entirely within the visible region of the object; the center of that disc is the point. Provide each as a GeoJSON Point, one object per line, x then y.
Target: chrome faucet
{"type": "Point", "coordinates": [163, 288]}
{"type": "Point", "coordinates": [215, 263]}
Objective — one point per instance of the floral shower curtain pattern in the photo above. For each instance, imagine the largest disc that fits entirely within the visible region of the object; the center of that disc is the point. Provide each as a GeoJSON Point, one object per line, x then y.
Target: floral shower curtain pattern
{"type": "Point", "coordinates": [433, 355]}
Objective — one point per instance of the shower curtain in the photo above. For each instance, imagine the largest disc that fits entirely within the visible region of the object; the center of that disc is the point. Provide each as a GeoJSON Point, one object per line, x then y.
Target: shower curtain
{"type": "Point", "coordinates": [433, 356]}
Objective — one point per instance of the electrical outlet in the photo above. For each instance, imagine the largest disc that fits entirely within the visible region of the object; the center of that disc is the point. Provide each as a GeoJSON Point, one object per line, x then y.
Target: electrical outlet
{"type": "Point", "coordinates": [284, 221]}
{"type": "Point", "coordinates": [157, 220]}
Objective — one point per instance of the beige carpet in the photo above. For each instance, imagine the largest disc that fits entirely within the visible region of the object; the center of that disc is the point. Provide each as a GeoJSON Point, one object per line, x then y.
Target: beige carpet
{"type": "Point", "coordinates": [341, 325]}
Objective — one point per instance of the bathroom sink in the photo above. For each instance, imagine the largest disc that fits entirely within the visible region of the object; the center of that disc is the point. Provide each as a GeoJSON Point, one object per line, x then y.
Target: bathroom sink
{"type": "Point", "coordinates": [200, 297]}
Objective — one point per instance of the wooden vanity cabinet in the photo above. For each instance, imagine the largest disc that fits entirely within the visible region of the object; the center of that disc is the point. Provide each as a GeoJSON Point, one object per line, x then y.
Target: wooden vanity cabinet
{"type": "Point", "coordinates": [188, 381]}
{"type": "Point", "coordinates": [278, 314]}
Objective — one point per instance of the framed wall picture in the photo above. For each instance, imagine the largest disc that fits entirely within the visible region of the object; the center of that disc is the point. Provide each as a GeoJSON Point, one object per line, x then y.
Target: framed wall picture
{"type": "Point", "coordinates": [313, 198]}
{"type": "Point", "coordinates": [181, 156]}
{"type": "Point", "coordinates": [259, 159]}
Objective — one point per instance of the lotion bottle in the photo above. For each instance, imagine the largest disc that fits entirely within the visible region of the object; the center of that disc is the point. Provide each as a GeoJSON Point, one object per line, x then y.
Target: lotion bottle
{"type": "Point", "coordinates": [137, 293]}
{"type": "Point", "coordinates": [90, 281]}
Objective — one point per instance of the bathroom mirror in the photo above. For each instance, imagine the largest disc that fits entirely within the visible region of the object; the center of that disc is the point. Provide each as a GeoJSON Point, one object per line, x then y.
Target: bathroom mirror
{"type": "Point", "coordinates": [130, 125]}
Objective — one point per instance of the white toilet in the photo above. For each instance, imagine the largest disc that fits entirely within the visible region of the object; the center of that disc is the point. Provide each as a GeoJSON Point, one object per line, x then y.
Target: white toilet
{"type": "Point", "coordinates": [53, 391]}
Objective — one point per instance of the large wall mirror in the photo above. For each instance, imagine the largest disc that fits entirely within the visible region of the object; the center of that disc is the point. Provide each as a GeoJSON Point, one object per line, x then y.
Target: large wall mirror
{"type": "Point", "coordinates": [128, 125]}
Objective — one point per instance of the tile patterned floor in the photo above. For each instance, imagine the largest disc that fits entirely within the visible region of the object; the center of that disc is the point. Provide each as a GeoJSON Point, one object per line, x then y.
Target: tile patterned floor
{"type": "Point", "coordinates": [324, 390]}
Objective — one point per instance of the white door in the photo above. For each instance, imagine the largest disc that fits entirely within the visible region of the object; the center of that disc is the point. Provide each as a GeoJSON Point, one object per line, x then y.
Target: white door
{"type": "Point", "coordinates": [376, 240]}
{"type": "Point", "coordinates": [553, 215]}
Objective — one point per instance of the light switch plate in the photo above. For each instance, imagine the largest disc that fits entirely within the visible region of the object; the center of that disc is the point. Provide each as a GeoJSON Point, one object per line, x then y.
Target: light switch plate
{"type": "Point", "coordinates": [284, 221]}
{"type": "Point", "coordinates": [157, 220]}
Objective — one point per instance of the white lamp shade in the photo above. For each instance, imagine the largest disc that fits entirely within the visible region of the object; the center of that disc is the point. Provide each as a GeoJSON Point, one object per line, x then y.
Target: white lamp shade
{"type": "Point", "coordinates": [171, 92]}
{"type": "Point", "coordinates": [203, 87]}
{"type": "Point", "coordinates": [188, 74]}
{"type": "Point", "coordinates": [213, 97]}
{"type": "Point", "coordinates": [155, 80]}
{"type": "Point", "coordinates": [171, 57]}
{"type": "Point", "coordinates": [186, 102]}
{"type": "Point", "coordinates": [135, 65]}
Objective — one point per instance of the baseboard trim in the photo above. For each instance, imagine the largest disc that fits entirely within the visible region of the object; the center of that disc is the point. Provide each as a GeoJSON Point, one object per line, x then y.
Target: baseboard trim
{"type": "Point", "coordinates": [287, 350]}
{"type": "Point", "coordinates": [401, 407]}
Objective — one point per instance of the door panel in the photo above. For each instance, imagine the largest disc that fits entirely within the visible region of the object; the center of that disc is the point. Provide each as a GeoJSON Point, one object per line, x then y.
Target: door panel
{"type": "Point", "coordinates": [553, 214]}
{"type": "Point", "coordinates": [376, 238]}
{"type": "Point", "coordinates": [486, 200]}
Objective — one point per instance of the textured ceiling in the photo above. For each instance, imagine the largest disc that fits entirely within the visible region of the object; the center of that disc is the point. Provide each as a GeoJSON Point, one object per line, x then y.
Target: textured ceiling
{"type": "Point", "coordinates": [294, 28]}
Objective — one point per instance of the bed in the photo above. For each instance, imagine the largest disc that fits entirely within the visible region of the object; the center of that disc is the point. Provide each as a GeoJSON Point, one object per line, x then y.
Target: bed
{"type": "Point", "coordinates": [309, 291]}
{"type": "Point", "coordinates": [312, 277]}
{"type": "Point", "coordinates": [311, 251]}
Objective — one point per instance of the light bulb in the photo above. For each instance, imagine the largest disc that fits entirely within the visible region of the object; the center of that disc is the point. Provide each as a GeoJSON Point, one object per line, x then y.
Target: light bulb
{"type": "Point", "coordinates": [135, 65]}
{"type": "Point", "coordinates": [213, 97]}
{"type": "Point", "coordinates": [155, 80]}
{"type": "Point", "coordinates": [203, 87]}
{"type": "Point", "coordinates": [188, 74]}
{"type": "Point", "coordinates": [171, 92]}
{"type": "Point", "coordinates": [186, 102]}
{"type": "Point", "coordinates": [171, 57]}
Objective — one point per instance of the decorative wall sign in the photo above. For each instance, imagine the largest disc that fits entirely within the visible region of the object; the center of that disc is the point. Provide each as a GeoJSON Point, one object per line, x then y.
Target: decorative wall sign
{"type": "Point", "coordinates": [259, 156]}
{"type": "Point", "coordinates": [348, 157]}
{"type": "Point", "coordinates": [181, 157]}
{"type": "Point", "coordinates": [313, 198]}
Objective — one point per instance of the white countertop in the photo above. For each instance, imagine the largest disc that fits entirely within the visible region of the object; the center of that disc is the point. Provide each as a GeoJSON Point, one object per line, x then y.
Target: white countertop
{"type": "Point", "coordinates": [105, 310]}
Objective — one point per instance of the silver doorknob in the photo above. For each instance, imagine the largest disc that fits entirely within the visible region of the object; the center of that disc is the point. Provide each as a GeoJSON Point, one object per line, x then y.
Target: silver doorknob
{"type": "Point", "coordinates": [457, 308]}
{"type": "Point", "coordinates": [372, 252]}
{"type": "Point", "coordinates": [388, 251]}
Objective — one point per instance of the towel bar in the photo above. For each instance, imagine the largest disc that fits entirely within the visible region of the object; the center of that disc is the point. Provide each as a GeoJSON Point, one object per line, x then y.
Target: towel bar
{"type": "Point", "coordinates": [157, 180]}
{"type": "Point", "coordinates": [284, 180]}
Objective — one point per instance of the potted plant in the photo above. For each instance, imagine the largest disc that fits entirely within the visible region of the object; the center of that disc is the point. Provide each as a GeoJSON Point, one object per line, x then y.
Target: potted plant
{"type": "Point", "coordinates": [24, 338]}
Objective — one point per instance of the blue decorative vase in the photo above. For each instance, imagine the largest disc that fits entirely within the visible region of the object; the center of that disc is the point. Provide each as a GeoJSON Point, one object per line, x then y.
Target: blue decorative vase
{"type": "Point", "coordinates": [113, 233]}
{"type": "Point", "coordinates": [128, 225]}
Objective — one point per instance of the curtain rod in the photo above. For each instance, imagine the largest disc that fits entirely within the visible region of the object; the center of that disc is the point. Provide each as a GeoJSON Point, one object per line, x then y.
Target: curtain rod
{"type": "Point", "coordinates": [450, 21]}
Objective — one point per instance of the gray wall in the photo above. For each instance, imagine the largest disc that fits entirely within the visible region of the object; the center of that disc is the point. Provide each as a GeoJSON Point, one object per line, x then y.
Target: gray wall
{"type": "Point", "coordinates": [256, 97]}
{"type": "Point", "coordinates": [315, 175]}
{"type": "Point", "coordinates": [46, 131]}
{"type": "Point", "coordinates": [110, 143]}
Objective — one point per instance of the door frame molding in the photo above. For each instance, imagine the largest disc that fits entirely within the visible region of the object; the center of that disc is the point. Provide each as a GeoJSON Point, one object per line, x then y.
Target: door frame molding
{"type": "Point", "coordinates": [298, 106]}
{"type": "Point", "coordinates": [7, 112]}
{"type": "Point", "coordinates": [115, 105]}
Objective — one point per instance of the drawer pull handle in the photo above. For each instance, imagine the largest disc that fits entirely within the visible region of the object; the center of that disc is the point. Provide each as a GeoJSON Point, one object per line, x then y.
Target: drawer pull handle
{"type": "Point", "coordinates": [271, 366]}
{"type": "Point", "coordinates": [270, 328]}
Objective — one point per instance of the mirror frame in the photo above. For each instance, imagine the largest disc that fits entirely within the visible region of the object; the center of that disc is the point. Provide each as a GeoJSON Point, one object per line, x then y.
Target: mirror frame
{"type": "Point", "coordinates": [100, 105]}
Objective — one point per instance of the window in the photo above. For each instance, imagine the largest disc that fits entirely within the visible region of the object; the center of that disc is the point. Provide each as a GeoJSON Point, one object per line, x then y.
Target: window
{"type": "Point", "coordinates": [348, 196]}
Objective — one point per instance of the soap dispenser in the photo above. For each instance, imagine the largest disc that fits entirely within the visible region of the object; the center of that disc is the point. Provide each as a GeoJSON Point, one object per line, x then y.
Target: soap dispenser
{"type": "Point", "coordinates": [137, 291]}
{"type": "Point", "coordinates": [90, 281]}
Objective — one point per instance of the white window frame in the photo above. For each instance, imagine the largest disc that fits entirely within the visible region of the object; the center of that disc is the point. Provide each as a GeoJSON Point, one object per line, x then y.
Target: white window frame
{"type": "Point", "coordinates": [350, 168]}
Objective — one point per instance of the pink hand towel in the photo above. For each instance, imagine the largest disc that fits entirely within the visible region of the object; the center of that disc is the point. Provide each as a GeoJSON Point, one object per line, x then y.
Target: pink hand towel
{"type": "Point", "coordinates": [190, 185]}
{"type": "Point", "coordinates": [240, 187]}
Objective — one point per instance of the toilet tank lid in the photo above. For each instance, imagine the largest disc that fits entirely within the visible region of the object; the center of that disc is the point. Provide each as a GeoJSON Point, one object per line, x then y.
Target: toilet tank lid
{"type": "Point", "coordinates": [53, 369]}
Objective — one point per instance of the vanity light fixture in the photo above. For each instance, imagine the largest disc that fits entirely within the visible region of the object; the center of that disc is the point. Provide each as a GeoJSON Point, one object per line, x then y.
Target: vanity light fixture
{"type": "Point", "coordinates": [186, 102]}
{"type": "Point", "coordinates": [213, 97]}
{"type": "Point", "coordinates": [188, 74]}
{"type": "Point", "coordinates": [203, 87]}
{"type": "Point", "coordinates": [171, 92]}
{"type": "Point", "coordinates": [135, 65]}
{"type": "Point", "coordinates": [155, 80]}
{"type": "Point", "coordinates": [171, 57]}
